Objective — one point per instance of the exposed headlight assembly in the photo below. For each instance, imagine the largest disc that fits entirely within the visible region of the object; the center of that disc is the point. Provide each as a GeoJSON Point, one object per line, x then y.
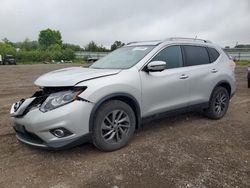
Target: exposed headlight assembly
{"type": "Point", "coordinates": [58, 99]}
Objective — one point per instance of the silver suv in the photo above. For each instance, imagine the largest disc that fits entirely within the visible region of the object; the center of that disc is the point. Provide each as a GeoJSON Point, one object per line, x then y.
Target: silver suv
{"type": "Point", "coordinates": [106, 102]}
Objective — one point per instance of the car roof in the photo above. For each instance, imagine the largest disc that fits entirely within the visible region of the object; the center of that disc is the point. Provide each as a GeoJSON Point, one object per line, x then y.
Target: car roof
{"type": "Point", "coordinates": [169, 41]}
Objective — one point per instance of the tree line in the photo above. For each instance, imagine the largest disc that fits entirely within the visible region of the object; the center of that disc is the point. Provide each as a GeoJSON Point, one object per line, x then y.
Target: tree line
{"type": "Point", "coordinates": [49, 46]}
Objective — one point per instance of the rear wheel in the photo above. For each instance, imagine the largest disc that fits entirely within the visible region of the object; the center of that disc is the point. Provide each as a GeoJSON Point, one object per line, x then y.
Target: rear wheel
{"type": "Point", "coordinates": [114, 125]}
{"type": "Point", "coordinates": [218, 103]}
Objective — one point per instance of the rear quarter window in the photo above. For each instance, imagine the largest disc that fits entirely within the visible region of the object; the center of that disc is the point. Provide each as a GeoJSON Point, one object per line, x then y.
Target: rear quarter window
{"type": "Point", "coordinates": [213, 54]}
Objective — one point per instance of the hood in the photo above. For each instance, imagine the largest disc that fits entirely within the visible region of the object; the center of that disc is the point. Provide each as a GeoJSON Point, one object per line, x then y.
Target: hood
{"type": "Point", "coordinates": [71, 76]}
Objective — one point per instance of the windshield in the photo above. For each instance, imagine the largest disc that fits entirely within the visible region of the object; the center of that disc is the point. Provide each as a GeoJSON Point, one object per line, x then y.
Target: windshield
{"type": "Point", "coordinates": [123, 58]}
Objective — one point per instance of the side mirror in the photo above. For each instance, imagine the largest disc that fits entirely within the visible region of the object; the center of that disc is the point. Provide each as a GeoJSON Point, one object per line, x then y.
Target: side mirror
{"type": "Point", "coordinates": [156, 66]}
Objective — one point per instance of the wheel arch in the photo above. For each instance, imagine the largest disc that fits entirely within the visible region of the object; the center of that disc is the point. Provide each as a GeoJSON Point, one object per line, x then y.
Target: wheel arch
{"type": "Point", "coordinates": [125, 97]}
{"type": "Point", "coordinates": [224, 84]}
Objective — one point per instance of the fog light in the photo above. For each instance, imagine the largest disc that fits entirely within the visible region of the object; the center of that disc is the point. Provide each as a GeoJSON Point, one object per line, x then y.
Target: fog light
{"type": "Point", "coordinates": [60, 132]}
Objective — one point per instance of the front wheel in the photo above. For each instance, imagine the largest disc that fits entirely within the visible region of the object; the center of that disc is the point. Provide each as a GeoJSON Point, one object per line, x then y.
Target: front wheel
{"type": "Point", "coordinates": [114, 125]}
{"type": "Point", "coordinates": [218, 103]}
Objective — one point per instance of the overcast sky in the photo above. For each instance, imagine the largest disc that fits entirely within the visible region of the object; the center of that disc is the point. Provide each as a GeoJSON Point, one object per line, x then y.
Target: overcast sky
{"type": "Point", "coordinates": [222, 21]}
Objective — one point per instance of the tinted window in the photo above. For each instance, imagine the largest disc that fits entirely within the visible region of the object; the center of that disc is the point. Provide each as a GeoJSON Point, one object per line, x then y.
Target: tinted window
{"type": "Point", "coordinates": [213, 54]}
{"type": "Point", "coordinates": [196, 55]}
{"type": "Point", "coordinates": [171, 55]}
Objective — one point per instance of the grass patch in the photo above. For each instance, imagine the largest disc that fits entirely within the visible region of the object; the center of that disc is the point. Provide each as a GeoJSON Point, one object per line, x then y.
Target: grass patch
{"type": "Point", "coordinates": [242, 62]}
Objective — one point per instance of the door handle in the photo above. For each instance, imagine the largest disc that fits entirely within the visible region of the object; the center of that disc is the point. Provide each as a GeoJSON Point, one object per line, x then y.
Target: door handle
{"type": "Point", "coordinates": [183, 76]}
{"type": "Point", "coordinates": [214, 71]}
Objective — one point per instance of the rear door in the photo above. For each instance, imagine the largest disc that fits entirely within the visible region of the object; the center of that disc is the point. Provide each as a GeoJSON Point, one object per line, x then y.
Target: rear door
{"type": "Point", "coordinates": [202, 73]}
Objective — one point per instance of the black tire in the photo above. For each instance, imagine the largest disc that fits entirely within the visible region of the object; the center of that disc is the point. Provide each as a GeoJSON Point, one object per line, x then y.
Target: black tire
{"type": "Point", "coordinates": [114, 125]}
{"type": "Point", "coordinates": [218, 103]}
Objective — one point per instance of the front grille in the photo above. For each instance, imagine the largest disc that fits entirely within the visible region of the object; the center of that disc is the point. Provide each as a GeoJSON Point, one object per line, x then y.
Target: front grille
{"type": "Point", "coordinates": [35, 104]}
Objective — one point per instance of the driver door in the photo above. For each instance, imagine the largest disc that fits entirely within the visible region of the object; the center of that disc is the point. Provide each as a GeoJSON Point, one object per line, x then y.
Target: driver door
{"type": "Point", "coordinates": [166, 90]}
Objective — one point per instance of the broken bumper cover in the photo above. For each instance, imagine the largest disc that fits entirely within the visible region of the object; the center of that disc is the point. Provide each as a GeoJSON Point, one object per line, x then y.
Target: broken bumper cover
{"type": "Point", "coordinates": [35, 141]}
{"type": "Point", "coordinates": [34, 128]}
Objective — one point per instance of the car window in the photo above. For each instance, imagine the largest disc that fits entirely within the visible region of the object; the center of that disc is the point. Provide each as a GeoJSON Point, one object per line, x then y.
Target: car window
{"type": "Point", "coordinates": [122, 58]}
{"type": "Point", "coordinates": [213, 54]}
{"type": "Point", "coordinates": [171, 55]}
{"type": "Point", "coordinates": [196, 55]}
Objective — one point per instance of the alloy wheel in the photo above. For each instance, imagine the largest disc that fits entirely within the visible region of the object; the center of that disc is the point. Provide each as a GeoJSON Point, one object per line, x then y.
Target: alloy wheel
{"type": "Point", "coordinates": [220, 103]}
{"type": "Point", "coordinates": [115, 126]}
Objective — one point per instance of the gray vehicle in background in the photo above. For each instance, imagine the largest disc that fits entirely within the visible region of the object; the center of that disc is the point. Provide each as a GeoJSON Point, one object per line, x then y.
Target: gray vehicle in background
{"type": "Point", "coordinates": [8, 60]}
{"type": "Point", "coordinates": [106, 102]}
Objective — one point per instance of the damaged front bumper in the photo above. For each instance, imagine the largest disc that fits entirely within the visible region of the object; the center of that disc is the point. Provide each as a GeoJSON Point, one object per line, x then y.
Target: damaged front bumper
{"type": "Point", "coordinates": [35, 128]}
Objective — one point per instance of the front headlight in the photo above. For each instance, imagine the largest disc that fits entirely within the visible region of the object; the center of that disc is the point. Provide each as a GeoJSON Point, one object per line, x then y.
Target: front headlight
{"type": "Point", "coordinates": [58, 99]}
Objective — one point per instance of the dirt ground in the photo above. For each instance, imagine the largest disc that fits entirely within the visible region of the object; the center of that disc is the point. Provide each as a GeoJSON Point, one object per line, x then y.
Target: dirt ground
{"type": "Point", "coordinates": [182, 151]}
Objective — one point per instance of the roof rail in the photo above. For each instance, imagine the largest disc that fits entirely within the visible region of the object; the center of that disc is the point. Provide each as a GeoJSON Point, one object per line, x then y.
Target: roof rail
{"type": "Point", "coordinates": [183, 38]}
{"type": "Point", "coordinates": [143, 41]}
{"type": "Point", "coordinates": [132, 42]}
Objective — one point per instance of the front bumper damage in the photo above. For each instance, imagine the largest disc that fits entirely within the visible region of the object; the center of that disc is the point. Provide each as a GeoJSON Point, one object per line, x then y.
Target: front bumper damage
{"type": "Point", "coordinates": [34, 127]}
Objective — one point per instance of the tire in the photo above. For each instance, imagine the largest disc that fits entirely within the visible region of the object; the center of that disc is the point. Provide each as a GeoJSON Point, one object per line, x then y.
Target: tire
{"type": "Point", "coordinates": [108, 133]}
{"type": "Point", "coordinates": [218, 103]}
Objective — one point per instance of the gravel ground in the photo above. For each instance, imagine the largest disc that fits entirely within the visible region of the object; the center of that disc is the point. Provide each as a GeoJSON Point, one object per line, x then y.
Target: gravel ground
{"type": "Point", "coordinates": [183, 151]}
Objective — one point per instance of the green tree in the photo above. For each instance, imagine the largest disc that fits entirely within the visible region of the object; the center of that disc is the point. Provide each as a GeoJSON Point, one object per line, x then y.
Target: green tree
{"type": "Point", "coordinates": [6, 49]}
{"type": "Point", "coordinates": [29, 45]}
{"type": "Point", "coordinates": [71, 46]}
{"type": "Point", "coordinates": [49, 37]}
{"type": "Point", "coordinates": [26, 45]}
{"type": "Point", "coordinates": [93, 47]}
{"type": "Point", "coordinates": [54, 47]}
{"type": "Point", "coordinates": [116, 45]}
{"type": "Point", "coordinates": [7, 41]}
{"type": "Point", "coordinates": [68, 54]}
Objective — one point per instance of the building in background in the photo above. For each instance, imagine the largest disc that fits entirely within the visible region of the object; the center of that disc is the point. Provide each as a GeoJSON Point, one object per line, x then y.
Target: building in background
{"type": "Point", "coordinates": [239, 54]}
